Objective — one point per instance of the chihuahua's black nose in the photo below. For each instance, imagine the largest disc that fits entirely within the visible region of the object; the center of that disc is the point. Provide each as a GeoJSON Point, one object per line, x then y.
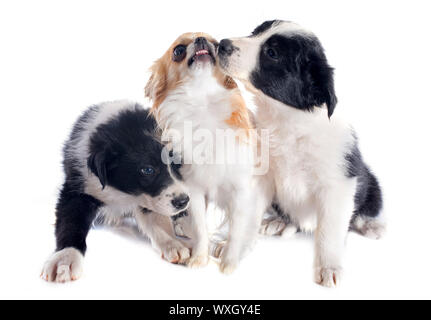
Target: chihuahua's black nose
{"type": "Point", "coordinates": [200, 40]}
{"type": "Point", "coordinates": [201, 43]}
{"type": "Point", "coordinates": [181, 201]}
{"type": "Point", "coordinates": [226, 47]}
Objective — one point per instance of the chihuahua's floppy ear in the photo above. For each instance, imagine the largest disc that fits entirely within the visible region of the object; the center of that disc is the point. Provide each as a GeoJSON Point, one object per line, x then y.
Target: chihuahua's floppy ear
{"type": "Point", "coordinates": [157, 84]}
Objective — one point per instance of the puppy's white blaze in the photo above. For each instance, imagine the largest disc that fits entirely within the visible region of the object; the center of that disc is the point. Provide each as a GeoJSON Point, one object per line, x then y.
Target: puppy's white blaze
{"type": "Point", "coordinates": [243, 61]}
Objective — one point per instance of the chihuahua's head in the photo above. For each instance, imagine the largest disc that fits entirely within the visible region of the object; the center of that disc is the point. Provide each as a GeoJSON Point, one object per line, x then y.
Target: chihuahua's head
{"type": "Point", "coordinates": [191, 55]}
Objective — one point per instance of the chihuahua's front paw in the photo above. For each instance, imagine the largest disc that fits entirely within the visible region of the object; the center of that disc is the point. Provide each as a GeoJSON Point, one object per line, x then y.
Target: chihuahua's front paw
{"type": "Point", "coordinates": [228, 267]}
{"type": "Point", "coordinates": [217, 248]}
{"type": "Point", "coordinates": [328, 276]}
{"type": "Point", "coordinates": [198, 260]}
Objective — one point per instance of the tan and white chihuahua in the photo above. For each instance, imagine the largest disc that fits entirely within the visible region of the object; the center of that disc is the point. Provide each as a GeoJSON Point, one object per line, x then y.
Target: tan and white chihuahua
{"type": "Point", "coordinates": [194, 101]}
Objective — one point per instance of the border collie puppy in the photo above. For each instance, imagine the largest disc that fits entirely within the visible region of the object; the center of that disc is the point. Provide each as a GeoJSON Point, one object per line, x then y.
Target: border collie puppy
{"type": "Point", "coordinates": [317, 174]}
{"type": "Point", "coordinates": [188, 89]}
{"type": "Point", "coordinates": [113, 167]}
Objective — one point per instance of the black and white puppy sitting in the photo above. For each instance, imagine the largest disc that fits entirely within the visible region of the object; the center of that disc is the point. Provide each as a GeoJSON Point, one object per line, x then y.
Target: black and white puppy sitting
{"type": "Point", "coordinates": [113, 166]}
{"type": "Point", "coordinates": [317, 174]}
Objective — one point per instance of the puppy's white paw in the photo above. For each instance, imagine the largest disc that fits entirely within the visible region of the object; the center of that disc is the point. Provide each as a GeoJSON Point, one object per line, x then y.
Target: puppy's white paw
{"type": "Point", "coordinates": [372, 228]}
{"type": "Point", "coordinates": [198, 261]}
{"type": "Point", "coordinates": [328, 277]}
{"type": "Point", "coordinates": [63, 266]}
{"type": "Point", "coordinates": [175, 252]}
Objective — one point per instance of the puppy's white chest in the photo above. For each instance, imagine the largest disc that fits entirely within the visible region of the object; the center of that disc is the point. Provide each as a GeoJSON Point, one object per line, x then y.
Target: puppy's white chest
{"type": "Point", "coordinates": [292, 169]}
{"type": "Point", "coordinates": [294, 196]}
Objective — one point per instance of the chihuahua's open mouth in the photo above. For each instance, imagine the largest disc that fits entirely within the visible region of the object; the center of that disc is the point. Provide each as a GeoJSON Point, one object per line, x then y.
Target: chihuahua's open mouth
{"type": "Point", "coordinates": [202, 55]}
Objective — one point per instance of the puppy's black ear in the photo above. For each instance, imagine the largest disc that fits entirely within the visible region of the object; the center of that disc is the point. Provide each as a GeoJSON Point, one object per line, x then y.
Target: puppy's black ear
{"type": "Point", "coordinates": [97, 164]}
{"type": "Point", "coordinates": [331, 100]}
{"type": "Point", "coordinates": [322, 82]}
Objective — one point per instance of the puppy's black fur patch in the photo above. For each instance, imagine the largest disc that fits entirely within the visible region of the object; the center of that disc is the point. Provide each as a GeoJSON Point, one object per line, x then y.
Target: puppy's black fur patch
{"type": "Point", "coordinates": [293, 69]}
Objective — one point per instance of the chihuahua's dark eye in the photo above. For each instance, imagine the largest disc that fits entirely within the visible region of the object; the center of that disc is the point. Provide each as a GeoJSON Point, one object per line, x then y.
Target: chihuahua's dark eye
{"type": "Point", "coordinates": [148, 171]}
{"type": "Point", "coordinates": [272, 53]}
{"type": "Point", "coordinates": [179, 53]}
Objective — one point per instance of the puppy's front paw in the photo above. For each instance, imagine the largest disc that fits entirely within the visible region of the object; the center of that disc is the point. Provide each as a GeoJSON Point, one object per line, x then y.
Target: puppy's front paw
{"type": "Point", "coordinates": [175, 252]}
{"type": "Point", "coordinates": [328, 276]}
{"type": "Point", "coordinates": [63, 266]}
{"type": "Point", "coordinates": [198, 261]}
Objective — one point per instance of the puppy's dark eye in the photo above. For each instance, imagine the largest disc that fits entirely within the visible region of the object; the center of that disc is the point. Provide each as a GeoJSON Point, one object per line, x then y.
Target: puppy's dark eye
{"type": "Point", "coordinates": [272, 53]}
{"type": "Point", "coordinates": [148, 171]}
{"type": "Point", "coordinates": [179, 53]}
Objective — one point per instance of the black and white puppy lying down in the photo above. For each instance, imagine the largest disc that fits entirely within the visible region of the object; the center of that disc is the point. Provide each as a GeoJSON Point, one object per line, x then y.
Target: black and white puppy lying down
{"type": "Point", "coordinates": [317, 174]}
{"type": "Point", "coordinates": [113, 167]}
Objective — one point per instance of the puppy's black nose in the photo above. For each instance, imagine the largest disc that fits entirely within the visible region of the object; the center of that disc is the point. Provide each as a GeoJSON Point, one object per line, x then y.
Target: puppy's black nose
{"type": "Point", "coordinates": [181, 201]}
{"type": "Point", "coordinates": [226, 47]}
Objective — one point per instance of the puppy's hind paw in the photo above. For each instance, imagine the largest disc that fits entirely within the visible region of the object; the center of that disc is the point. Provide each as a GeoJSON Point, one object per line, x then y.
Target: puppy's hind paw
{"type": "Point", "coordinates": [328, 277]}
{"type": "Point", "coordinates": [63, 266]}
{"type": "Point", "coordinates": [372, 228]}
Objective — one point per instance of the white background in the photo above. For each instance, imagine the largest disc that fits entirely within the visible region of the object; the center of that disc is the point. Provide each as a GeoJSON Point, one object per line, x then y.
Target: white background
{"type": "Point", "coordinates": [58, 57]}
